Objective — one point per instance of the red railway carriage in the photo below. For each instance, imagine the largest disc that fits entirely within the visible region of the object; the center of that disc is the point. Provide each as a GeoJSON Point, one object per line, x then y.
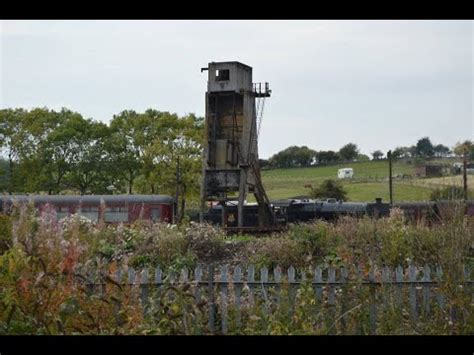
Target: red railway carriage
{"type": "Point", "coordinates": [110, 208]}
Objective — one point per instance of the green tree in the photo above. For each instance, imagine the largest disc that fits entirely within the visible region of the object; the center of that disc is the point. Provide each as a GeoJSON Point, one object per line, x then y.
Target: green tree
{"type": "Point", "coordinates": [12, 136]}
{"type": "Point", "coordinates": [349, 152]}
{"type": "Point", "coordinates": [377, 155]}
{"type": "Point", "coordinates": [362, 157]}
{"type": "Point", "coordinates": [293, 156]}
{"type": "Point", "coordinates": [178, 157]}
{"type": "Point", "coordinates": [327, 157]}
{"type": "Point", "coordinates": [424, 148]}
{"type": "Point", "coordinates": [466, 147]}
{"type": "Point", "coordinates": [401, 153]}
{"type": "Point", "coordinates": [88, 172]}
{"type": "Point", "coordinates": [441, 151]}
{"type": "Point", "coordinates": [125, 147]}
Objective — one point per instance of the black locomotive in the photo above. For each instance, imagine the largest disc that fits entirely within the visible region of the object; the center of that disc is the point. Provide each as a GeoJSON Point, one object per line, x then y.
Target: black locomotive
{"type": "Point", "coordinates": [304, 210]}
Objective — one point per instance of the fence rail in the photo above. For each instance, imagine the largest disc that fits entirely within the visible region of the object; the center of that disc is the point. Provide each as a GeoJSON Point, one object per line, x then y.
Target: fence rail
{"type": "Point", "coordinates": [224, 288]}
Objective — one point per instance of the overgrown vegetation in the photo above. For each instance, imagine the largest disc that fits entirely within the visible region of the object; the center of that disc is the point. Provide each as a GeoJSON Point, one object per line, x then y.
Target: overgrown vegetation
{"type": "Point", "coordinates": [329, 189]}
{"type": "Point", "coordinates": [43, 263]}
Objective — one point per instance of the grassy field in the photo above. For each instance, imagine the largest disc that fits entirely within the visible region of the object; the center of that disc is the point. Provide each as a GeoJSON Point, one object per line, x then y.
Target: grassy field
{"type": "Point", "coordinates": [369, 182]}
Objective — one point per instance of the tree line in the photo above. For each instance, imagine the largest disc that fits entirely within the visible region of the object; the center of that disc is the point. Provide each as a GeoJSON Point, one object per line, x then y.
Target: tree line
{"type": "Point", "coordinates": [296, 156]}
{"type": "Point", "coordinates": [45, 151]}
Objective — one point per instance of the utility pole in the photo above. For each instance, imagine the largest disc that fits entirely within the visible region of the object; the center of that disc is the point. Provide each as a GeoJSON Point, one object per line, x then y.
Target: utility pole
{"type": "Point", "coordinates": [390, 186]}
{"type": "Point", "coordinates": [464, 174]}
{"type": "Point", "coordinates": [177, 191]}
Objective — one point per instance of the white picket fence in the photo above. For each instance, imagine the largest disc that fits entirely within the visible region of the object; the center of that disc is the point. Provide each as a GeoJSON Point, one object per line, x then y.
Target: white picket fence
{"type": "Point", "coordinates": [421, 283]}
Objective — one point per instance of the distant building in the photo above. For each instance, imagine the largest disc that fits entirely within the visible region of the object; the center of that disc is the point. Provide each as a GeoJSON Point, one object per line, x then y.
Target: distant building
{"type": "Point", "coordinates": [431, 170]}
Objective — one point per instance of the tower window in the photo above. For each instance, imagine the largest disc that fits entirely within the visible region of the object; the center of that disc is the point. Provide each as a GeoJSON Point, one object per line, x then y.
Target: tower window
{"type": "Point", "coordinates": [222, 75]}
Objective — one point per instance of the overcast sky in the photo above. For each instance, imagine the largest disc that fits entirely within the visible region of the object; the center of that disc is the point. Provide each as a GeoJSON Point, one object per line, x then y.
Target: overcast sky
{"type": "Point", "coordinates": [379, 84]}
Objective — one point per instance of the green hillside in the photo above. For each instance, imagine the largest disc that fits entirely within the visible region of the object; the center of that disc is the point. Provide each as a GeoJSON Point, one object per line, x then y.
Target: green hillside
{"type": "Point", "coordinates": [370, 181]}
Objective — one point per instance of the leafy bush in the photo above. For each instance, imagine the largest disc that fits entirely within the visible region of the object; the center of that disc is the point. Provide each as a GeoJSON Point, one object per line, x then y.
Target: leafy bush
{"type": "Point", "coordinates": [206, 241]}
{"type": "Point", "coordinates": [278, 251]}
{"type": "Point", "coordinates": [329, 189]}
{"type": "Point", "coordinates": [5, 233]}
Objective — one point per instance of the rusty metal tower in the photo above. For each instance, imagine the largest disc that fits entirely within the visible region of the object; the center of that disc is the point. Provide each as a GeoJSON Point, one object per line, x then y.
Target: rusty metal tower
{"type": "Point", "coordinates": [234, 106]}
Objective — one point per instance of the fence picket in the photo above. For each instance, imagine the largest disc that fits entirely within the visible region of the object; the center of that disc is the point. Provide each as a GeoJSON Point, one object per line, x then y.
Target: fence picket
{"type": "Point", "coordinates": [250, 281]}
{"type": "Point", "coordinates": [343, 280]}
{"type": "Point", "coordinates": [131, 276]}
{"type": "Point", "coordinates": [144, 290]}
{"type": "Point", "coordinates": [291, 288]}
{"type": "Point", "coordinates": [197, 293]}
{"type": "Point", "coordinates": [237, 292]}
{"type": "Point", "coordinates": [386, 281]}
{"type": "Point", "coordinates": [331, 289]}
{"type": "Point", "coordinates": [210, 288]}
{"type": "Point", "coordinates": [118, 275]}
{"type": "Point", "coordinates": [158, 276]}
{"type": "Point", "coordinates": [171, 278]}
{"type": "Point", "coordinates": [277, 278]}
{"type": "Point", "coordinates": [373, 303]}
{"type": "Point", "coordinates": [331, 296]}
{"type": "Point", "coordinates": [399, 289]}
{"type": "Point", "coordinates": [426, 289]}
{"type": "Point", "coordinates": [263, 281]}
{"type": "Point", "coordinates": [439, 294]}
{"type": "Point", "coordinates": [412, 279]}
{"type": "Point", "coordinates": [318, 279]}
{"type": "Point", "coordinates": [197, 280]}
{"type": "Point", "coordinates": [224, 281]}
{"type": "Point", "coordinates": [184, 275]}
{"type": "Point", "coordinates": [91, 280]}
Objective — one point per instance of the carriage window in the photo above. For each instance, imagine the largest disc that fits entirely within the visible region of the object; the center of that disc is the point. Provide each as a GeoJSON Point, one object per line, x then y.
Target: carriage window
{"type": "Point", "coordinates": [155, 214]}
{"type": "Point", "coordinates": [116, 214]}
{"type": "Point", "coordinates": [90, 212]}
{"type": "Point", "coordinates": [116, 209]}
{"type": "Point", "coordinates": [62, 212]}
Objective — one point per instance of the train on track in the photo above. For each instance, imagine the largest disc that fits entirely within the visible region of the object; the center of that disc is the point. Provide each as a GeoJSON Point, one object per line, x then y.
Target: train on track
{"type": "Point", "coordinates": [109, 208]}
{"type": "Point", "coordinates": [305, 210]}
{"type": "Point", "coordinates": [127, 209]}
